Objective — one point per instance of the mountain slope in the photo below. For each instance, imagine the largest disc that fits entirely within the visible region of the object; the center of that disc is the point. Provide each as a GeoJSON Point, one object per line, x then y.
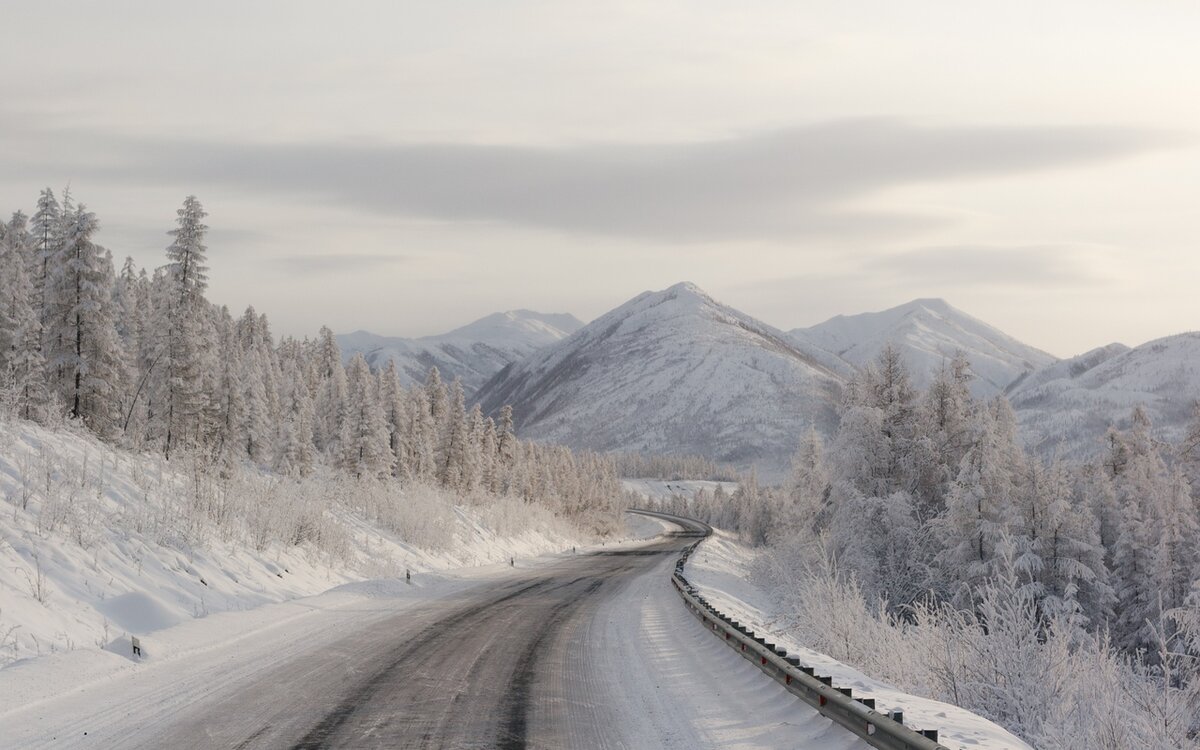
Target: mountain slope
{"type": "Point", "coordinates": [1070, 368]}
{"type": "Point", "coordinates": [673, 372]}
{"type": "Point", "coordinates": [474, 352]}
{"type": "Point", "coordinates": [928, 332]}
{"type": "Point", "coordinates": [1070, 413]}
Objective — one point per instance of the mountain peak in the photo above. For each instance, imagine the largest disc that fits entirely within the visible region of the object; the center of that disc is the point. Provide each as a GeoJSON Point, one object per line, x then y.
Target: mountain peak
{"type": "Point", "coordinates": [687, 287]}
{"type": "Point", "coordinates": [685, 294]}
{"type": "Point", "coordinates": [936, 304]}
{"type": "Point", "coordinates": [474, 352]}
{"type": "Point", "coordinates": [673, 371]}
{"type": "Point", "coordinates": [929, 331]}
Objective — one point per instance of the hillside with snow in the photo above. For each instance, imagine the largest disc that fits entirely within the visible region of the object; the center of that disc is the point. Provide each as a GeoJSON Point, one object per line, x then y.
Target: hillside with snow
{"type": "Point", "coordinates": [98, 544]}
{"type": "Point", "coordinates": [1069, 368]}
{"type": "Point", "coordinates": [475, 352]}
{"type": "Point", "coordinates": [1068, 408]}
{"type": "Point", "coordinates": [928, 332]}
{"type": "Point", "coordinates": [674, 372]}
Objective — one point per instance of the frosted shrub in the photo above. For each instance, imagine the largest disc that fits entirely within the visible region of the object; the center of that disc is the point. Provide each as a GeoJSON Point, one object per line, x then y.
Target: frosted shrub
{"type": "Point", "coordinates": [1009, 666]}
{"type": "Point", "coordinates": [1003, 659]}
{"type": "Point", "coordinates": [418, 514]}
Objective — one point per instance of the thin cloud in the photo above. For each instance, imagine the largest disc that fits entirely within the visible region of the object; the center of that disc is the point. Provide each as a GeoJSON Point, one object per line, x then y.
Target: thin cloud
{"type": "Point", "coordinates": [794, 183]}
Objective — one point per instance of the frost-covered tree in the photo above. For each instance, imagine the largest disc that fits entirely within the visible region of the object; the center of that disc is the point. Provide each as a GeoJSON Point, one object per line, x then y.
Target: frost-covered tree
{"type": "Point", "coordinates": [980, 504]}
{"type": "Point", "coordinates": [1070, 576]}
{"type": "Point", "coordinates": [1095, 489]}
{"type": "Point", "coordinates": [228, 407]}
{"type": "Point", "coordinates": [877, 538]}
{"type": "Point", "coordinates": [456, 460]}
{"type": "Point", "coordinates": [805, 506]}
{"type": "Point", "coordinates": [438, 399]}
{"type": "Point", "coordinates": [294, 450]}
{"type": "Point", "coordinates": [181, 363]}
{"type": "Point", "coordinates": [474, 463]}
{"type": "Point", "coordinates": [367, 453]}
{"type": "Point", "coordinates": [85, 353]}
{"type": "Point", "coordinates": [1189, 450]}
{"type": "Point", "coordinates": [489, 458]}
{"type": "Point", "coordinates": [1178, 537]}
{"type": "Point", "coordinates": [1135, 557]}
{"type": "Point", "coordinates": [945, 430]}
{"type": "Point", "coordinates": [257, 430]}
{"type": "Point", "coordinates": [423, 436]}
{"type": "Point", "coordinates": [874, 445]}
{"type": "Point", "coordinates": [330, 401]}
{"type": "Point", "coordinates": [393, 401]}
{"type": "Point", "coordinates": [45, 229]}
{"type": "Point", "coordinates": [506, 446]}
{"type": "Point", "coordinates": [21, 363]}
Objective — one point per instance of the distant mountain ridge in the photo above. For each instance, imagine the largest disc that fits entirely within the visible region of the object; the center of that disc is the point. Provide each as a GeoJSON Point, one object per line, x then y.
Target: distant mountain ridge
{"type": "Point", "coordinates": [674, 371]}
{"type": "Point", "coordinates": [929, 332]}
{"type": "Point", "coordinates": [475, 352]}
{"type": "Point", "coordinates": [1067, 408]}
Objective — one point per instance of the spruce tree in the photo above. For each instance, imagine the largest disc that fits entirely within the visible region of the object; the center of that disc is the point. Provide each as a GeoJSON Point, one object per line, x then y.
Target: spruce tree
{"type": "Point", "coordinates": [257, 430]}
{"type": "Point", "coordinates": [85, 352]}
{"type": "Point", "coordinates": [330, 394]}
{"type": "Point", "coordinates": [366, 451]}
{"type": "Point", "coordinates": [294, 452]}
{"type": "Point", "coordinates": [182, 363]}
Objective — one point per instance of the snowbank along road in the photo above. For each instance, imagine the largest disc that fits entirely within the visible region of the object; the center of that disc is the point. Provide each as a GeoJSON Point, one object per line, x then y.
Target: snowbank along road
{"type": "Point", "coordinates": [592, 651]}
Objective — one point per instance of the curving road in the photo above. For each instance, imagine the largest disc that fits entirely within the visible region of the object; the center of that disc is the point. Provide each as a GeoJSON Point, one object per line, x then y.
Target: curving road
{"type": "Point", "coordinates": [593, 651]}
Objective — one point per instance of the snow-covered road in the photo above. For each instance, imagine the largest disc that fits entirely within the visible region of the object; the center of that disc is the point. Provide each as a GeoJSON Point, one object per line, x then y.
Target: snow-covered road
{"type": "Point", "coordinates": [589, 651]}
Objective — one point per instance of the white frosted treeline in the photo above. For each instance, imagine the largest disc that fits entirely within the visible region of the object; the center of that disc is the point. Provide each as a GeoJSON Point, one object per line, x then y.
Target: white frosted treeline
{"type": "Point", "coordinates": [145, 361]}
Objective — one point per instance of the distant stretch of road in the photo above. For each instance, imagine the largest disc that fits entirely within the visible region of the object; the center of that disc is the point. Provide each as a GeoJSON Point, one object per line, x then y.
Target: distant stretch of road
{"type": "Point", "coordinates": [592, 651]}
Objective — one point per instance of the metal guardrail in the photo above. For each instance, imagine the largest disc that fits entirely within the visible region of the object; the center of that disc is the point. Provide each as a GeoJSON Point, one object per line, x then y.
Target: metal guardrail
{"type": "Point", "coordinates": [858, 715]}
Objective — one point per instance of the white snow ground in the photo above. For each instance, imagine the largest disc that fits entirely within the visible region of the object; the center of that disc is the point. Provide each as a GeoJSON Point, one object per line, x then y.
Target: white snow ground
{"type": "Point", "coordinates": [655, 678]}
{"type": "Point", "coordinates": [721, 568]}
{"type": "Point", "coordinates": [104, 554]}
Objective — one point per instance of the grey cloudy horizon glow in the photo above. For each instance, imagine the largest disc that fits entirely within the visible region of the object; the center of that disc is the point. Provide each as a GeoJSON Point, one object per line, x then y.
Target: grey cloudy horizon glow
{"type": "Point", "coordinates": [406, 168]}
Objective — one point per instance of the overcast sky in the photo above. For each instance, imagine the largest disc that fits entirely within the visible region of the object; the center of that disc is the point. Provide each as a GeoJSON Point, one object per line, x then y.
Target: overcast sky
{"type": "Point", "coordinates": [406, 167]}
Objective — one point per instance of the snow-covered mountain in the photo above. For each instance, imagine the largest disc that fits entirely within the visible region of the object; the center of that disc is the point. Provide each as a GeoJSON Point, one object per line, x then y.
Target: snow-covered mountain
{"type": "Point", "coordinates": [674, 372]}
{"type": "Point", "coordinates": [1069, 368]}
{"type": "Point", "coordinates": [928, 332]}
{"type": "Point", "coordinates": [475, 352]}
{"type": "Point", "coordinates": [1068, 406]}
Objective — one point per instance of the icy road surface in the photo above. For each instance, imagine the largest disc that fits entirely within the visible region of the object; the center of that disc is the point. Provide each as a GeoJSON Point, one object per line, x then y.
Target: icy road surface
{"type": "Point", "coordinates": [589, 651]}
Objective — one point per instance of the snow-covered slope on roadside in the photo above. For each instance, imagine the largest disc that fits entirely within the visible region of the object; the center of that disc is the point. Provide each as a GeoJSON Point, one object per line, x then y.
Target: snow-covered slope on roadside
{"type": "Point", "coordinates": [722, 569]}
{"type": "Point", "coordinates": [1068, 408]}
{"type": "Point", "coordinates": [928, 332]}
{"type": "Point", "coordinates": [474, 352]}
{"type": "Point", "coordinates": [98, 544]}
{"type": "Point", "coordinates": [91, 688]}
{"type": "Point", "coordinates": [673, 372]}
